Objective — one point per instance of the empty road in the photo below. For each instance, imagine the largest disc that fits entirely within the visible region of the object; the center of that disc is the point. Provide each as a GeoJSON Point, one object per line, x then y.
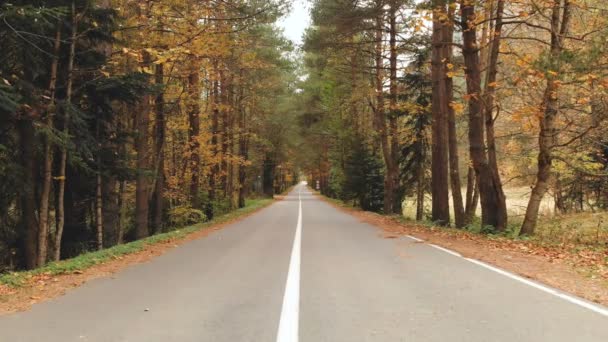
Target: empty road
{"type": "Point", "coordinates": [303, 270]}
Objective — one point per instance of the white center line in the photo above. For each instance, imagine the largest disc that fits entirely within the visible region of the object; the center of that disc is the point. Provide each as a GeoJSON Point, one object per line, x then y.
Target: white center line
{"type": "Point", "coordinates": [289, 323]}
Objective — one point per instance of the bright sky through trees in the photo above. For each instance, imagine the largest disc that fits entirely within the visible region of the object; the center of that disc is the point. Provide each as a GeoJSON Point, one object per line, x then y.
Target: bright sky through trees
{"type": "Point", "coordinates": [296, 22]}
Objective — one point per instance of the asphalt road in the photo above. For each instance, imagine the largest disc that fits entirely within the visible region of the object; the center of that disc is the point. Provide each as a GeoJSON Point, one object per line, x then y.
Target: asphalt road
{"type": "Point", "coordinates": [329, 278]}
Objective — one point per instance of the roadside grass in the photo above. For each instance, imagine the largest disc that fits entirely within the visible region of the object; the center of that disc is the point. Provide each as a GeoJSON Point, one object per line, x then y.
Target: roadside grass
{"type": "Point", "coordinates": [87, 260]}
{"type": "Point", "coordinates": [577, 230]}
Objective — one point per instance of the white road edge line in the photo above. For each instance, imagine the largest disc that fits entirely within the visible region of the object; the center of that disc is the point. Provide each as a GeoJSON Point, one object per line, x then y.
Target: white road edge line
{"type": "Point", "coordinates": [572, 299]}
{"type": "Point", "coordinates": [289, 322]}
{"type": "Point", "coordinates": [446, 250]}
{"type": "Point", "coordinates": [564, 296]}
{"type": "Point", "coordinates": [415, 238]}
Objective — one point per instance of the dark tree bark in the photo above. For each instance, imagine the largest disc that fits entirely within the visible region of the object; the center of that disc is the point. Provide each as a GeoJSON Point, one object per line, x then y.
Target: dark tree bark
{"type": "Point", "coordinates": [98, 195]}
{"type": "Point", "coordinates": [439, 126]}
{"type": "Point", "coordinates": [231, 122]}
{"type": "Point", "coordinates": [489, 96]}
{"type": "Point", "coordinates": [122, 207]}
{"type": "Point", "coordinates": [472, 196]}
{"type": "Point", "coordinates": [490, 191]}
{"type": "Point", "coordinates": [142, 204]}
{"type": "Point", "coordinates": [459, 215]}
{"type": "Point", "coordinates": [393, 163]}
{"type": "Point", "coordinates": [215, 167]}
{"type": "Point", "coordinates": [61, 177]}
{"type": "Point", "coordinates": [194, 131]}
{"type": "Point", "coordinates": [45, 193]}
{"type": "Point", "coordinates": [243, 147]}
{"type": "Point", "coordinates": [420, 186]}
{"type": "Point", "coordinates": [268, 176]}
{"type": "Point", "coordinates": [159, 144]}
{"type": "Point", "coordinates": [111, 211]}
{"type": "Point", "coordinates": [224, 133]}
{"type": "Point", "coordinates": [379, 112]}
{"type": "Point", "coordinates": [26, 133]}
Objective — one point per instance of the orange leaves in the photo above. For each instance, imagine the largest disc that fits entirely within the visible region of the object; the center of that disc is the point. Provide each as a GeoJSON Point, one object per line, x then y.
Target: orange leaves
{"type": "Point", "coordinates": [469, 97]}
{"type": "Point", "coordinates": [527, 117]}
{"type": "Point", "coordinates": [457, 107]}
{"type": "Point", "coordinates": [451, 72]}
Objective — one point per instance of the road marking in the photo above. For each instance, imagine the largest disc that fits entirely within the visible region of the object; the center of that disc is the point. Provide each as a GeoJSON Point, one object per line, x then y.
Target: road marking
{"type": "Point", "coordinates": [415, 238]}
{"type": "Point", "coordinates": [289, 322]}
{"type": "Point", "coordinates": [572, 299]}
{"type": "Point", "coordinates": [569, 298]}
{"type": "Point", "coordinates": [446, 250]}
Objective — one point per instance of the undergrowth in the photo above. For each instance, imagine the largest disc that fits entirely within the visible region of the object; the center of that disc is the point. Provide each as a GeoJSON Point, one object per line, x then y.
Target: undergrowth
{"type": "Point", "coordinates": [87, 260]}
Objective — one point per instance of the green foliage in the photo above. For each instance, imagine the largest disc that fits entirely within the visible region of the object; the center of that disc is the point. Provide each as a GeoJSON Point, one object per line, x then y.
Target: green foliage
{"type": "Point", "coordinates": [365, 177]}
{"type": "Point", "coordinates": [8, 99]}
{"type": "Point", "coordinates": [337, 184]}
{"type": "Point", "coordinates": [184, 215]}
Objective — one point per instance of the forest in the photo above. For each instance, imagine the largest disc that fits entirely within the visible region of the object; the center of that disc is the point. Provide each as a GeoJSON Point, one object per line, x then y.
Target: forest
{"type": "Point", "coordinates": [121, 119]}
{"type": "Point", "coordinates": [486, 115]}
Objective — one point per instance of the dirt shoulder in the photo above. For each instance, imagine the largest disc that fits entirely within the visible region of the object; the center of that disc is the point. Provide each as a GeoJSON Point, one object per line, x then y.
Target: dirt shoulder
{"type": "Point", "coordinates": [43, 286]}
{"type": "Point", "coordinates": [583, 273]}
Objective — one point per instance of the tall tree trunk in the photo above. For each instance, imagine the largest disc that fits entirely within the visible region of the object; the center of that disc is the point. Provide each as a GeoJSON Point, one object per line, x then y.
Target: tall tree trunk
{"type": "Point", "coordinates": [99, 213]}
{"type": "Point", "coordinates": [142, 204]}
{"type": "Point", "coordinates": [490, 191]}
{"type": "Point", "coordinates": [393, 172]}
{"type": "Point", "coordinates": [26, 133]}
{"type": "Point", "coordinates": [243, 148]}
{"type": "Point", "coordinates": [547, 138]}
{"type": "Point", "coordinates": [43, 216]}
{"type": "Point", "coordinates": [108, 182]}
{"type": "Point", "coordinates": [353, 105]}
{"type": "Point", "coordinates": [472, 195]}
{"type": "Point", "coordinates": [123, 126]}
{"type": "Point", "coordinates": [489, 97]}
{"type": "Point", "coordinates": [224, 135]}
{"type": "Point", "coordinates": [98, 196]}
{"type": "Point", "coordinates": [420, 193]}
{"type": "Point", "coordinates": [231, 121]}
{"type": "Point", "coordinates": [244, 153]}
{"type": "Point", "coordinates": [111, 210]}
{"type": "Point", "coordinates": [268, 175]}
{"type": "Point", "coordinates": [159, 139]}
{"type": "Point", "coordinates": [194, 131]}
{"type": "Point", "coordinates": [439, 125]}
{"type": "Point", "coordinates": [60, 208]}
{"type": "Point", "coordinates": [459, 215]}
{"type": "Point", "coordinates": [379, 114]}
{"type": "Point", "coordinates": [122, 207]}
{"type": "Point", "coordinates": [214, 142]}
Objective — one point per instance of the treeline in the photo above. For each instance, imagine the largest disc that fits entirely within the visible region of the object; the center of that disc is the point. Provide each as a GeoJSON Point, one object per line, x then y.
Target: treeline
{"type": "Point", "coordinates": [458, 99]}
{"type": "Point", "coordinates": [126, 118]}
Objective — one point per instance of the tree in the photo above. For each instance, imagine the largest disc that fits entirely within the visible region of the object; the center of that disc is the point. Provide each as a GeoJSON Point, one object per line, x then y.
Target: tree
{"type": "Point", "coordinates": [493, 206]}
{"type": "Point", "coordinates": [439, 125]}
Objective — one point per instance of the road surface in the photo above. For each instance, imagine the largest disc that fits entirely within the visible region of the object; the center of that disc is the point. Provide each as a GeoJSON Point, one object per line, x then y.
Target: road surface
{"type": "Point", "coordinates": [321, 276]}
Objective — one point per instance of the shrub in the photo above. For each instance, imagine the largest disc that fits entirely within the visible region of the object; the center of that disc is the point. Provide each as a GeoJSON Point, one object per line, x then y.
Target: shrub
{"type": "Point", "coordinates": [183, 216]}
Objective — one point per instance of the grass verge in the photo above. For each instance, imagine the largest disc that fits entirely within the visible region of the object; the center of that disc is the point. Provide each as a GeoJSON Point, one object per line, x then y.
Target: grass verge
{"type": "Point", "coordinates": [87, 260]}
